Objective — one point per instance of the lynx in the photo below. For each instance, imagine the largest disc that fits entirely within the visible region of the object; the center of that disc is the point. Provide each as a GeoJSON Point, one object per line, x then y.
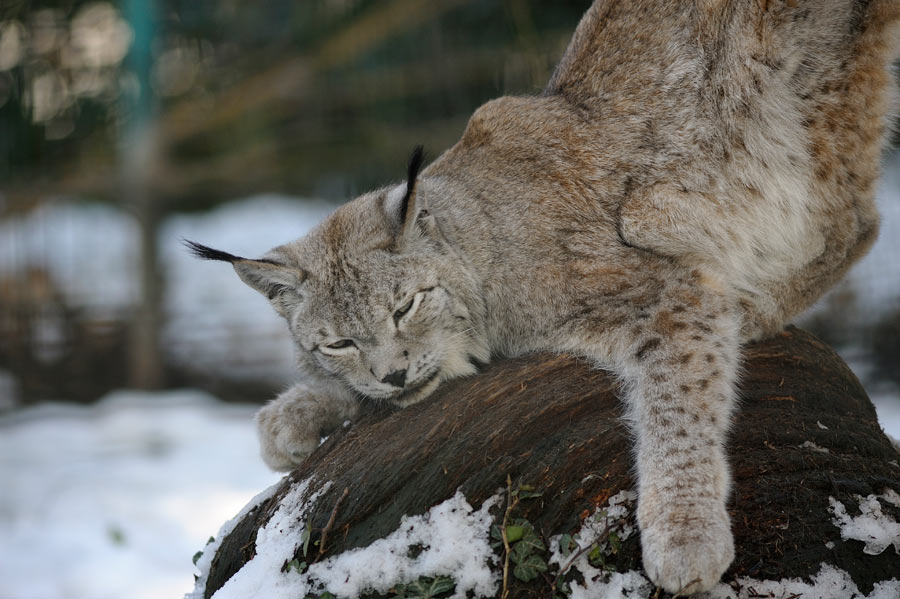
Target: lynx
{"type": "Point", "coordinates": [694, 174]}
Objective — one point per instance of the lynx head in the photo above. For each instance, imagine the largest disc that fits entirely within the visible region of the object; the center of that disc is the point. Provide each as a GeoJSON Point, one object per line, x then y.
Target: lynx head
{"type": "Point", "coordinates": [374, 296]}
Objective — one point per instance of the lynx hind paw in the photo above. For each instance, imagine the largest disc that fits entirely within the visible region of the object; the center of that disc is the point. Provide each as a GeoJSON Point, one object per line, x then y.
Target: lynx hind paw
{"type": "Point", "coordinates": [687, 557]}
{"type": "Point", "coordinates": [286, 437]}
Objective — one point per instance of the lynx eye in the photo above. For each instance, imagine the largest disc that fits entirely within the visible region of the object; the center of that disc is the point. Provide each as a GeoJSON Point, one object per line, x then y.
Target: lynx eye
{"type": "Point", "coordinates": [404, 309]}
{"type": "Point", "coordinates": [411, 306]}
{"type": "Point", "coordinates": [342, 344]}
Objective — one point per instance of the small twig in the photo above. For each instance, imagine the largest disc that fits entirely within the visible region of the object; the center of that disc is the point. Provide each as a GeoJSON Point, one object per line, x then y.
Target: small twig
{"type": "Point", "coordinates": [685, 587]}
{"type": "Point", "coordinates": [328, 526]}
{"type": "Point", "coordinates": [510, 504]}
{"type": "Point", "coordinates": [581, 551]}
{"type": "Point", "coordinates": [550, 583]}
{"type": "Point", "coordinates": [607, 527]}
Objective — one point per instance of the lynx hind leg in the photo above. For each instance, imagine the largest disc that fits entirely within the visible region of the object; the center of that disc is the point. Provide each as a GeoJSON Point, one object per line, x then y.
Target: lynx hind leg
{"type": "Point", "coordinates": [669, 222]}
{"type": "Point", "coordinates": [852, 102]}
{"type": "Point", "coordinates": [291, 425]}
{"type": "Point", "coordinates": [680, 368]}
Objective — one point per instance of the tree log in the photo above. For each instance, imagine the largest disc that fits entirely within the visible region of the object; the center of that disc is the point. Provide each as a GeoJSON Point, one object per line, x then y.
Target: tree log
{"type": "Point", "coordinates": [805, 431]}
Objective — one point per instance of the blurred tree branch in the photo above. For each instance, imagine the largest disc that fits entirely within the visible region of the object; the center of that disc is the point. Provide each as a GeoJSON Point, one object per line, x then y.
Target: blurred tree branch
{"type": "Point", "coordinates": [293, 75]}
{"type": "Point", "coordinates": [248, 165]}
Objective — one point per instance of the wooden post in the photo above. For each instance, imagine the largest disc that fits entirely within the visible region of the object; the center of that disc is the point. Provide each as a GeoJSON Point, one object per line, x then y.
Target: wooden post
{"type": "Point", "coordinates": [805, 432]}
{"type": "Point", "coordinates": [140, 154]}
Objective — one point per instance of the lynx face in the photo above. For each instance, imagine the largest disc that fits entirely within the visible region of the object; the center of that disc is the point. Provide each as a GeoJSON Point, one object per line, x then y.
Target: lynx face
{"type": "Point", "coordinates": [374, 297]}
{"type": "Point", "coordinates": [388, 326]}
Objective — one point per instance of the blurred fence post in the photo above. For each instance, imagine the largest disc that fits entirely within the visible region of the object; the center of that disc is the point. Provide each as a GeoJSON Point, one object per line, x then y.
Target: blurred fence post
{"type": "Point", "coordinates": [139, 153]}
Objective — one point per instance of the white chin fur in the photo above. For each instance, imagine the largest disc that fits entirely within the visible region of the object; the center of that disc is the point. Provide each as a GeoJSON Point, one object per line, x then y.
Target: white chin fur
{"type": "Point", "coordinates": [456, 364]}
{"type": "Point", "coordinates": [419, 395]}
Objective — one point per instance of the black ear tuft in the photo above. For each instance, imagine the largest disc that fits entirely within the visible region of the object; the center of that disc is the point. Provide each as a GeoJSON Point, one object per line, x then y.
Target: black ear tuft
{"type": "Point", "coordinates": [208, 253]}
{"type": "Point", "coordinates": [412, 173]}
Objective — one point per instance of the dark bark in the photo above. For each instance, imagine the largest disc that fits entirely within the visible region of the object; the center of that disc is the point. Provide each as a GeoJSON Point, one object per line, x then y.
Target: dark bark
{"type": "Point", "coordinates": [551, 421]}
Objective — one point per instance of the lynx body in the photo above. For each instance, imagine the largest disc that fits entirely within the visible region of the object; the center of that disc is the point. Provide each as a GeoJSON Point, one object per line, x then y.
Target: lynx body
{"type": "Point", "coordinates": [694, 174]}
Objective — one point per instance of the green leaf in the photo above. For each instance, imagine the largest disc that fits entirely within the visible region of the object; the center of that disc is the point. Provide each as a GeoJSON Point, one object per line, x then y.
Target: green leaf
{"type": "Point", "coordinates": [615, 543]}
{"type": "Point", "coordinates": [596, 557]}
{"type": "Point", "coordinates": [530, 568]}
{"type": "Point", "coordinates": [425, 587]}
{"type": "Point", "coordinates": [497, 536]}
{"type": "Point", "coordinates": [567, 545]}
{"type": "Point", "coordinates": [211, 540]}
{"type": "Point", "coordinates": [528, 544]}
{"type": "Point", "coordinates": [519, 552]}
{"type": "Point", "coordinates": [414, 590]}
{"type": "Point", "coordinates": [294, 564]}
{"type": "Point", "coordinates": [528, 492]}
{"type": "Point", "coordinates": [326, 595]}
{"type": "Point", "coordinates": [442, 584]}
{"type": "Point", "coordinates": [305, 537]}
{"type": "Point", "coordinates": [196, 557]}
{"type": "Point", "coordinates": [531, 538]}
{"type": "Point", "coordinates": [514, 533]}
{"type": "Point", "coordinates": [496, 533]}
{"type": "Point", "coordinates": [116, 535]}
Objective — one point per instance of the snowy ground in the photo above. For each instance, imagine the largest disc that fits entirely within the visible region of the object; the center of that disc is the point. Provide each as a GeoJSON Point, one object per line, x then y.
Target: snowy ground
{"type": "Point", "coordinates": [111, 501]}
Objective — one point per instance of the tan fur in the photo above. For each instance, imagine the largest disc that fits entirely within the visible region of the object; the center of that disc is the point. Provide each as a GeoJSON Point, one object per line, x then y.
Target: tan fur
{"type": "Point", "coordinates": [694, 174]}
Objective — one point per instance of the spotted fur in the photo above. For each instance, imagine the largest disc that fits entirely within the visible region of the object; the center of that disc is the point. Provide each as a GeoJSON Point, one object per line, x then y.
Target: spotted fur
{"type": "Point", "coordinates": [695, 174]}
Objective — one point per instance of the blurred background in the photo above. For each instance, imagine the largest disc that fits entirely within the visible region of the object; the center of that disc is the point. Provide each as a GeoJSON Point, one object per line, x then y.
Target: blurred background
{"type": "Point", "coordinates": [129, 370]}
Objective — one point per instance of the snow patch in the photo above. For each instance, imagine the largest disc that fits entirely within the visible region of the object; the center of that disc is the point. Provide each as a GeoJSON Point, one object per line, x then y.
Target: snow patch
{"type": "Point", "coordinates": [453, 536]}
{"type": "Point", "coordinates": [616, 585]}
{"type": "Point", "coordinates": [598, 583]}
{"type": "Point", "coordinates": [276, 543]}
{"type": "Point", "coordinates": [112, 500]}
{"type": "Point", "coordinates": [873, 527]}
{"type": "Point", "coordinates": [814, 447]}
{"type": "Point", "coordinates": [829, 583]}
{"type": "Point", "coordinates": [209, 551]}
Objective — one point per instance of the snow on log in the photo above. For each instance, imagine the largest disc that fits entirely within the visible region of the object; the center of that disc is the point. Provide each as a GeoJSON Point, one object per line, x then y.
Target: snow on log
{"type": "Point", "coordinates": [520, 479]}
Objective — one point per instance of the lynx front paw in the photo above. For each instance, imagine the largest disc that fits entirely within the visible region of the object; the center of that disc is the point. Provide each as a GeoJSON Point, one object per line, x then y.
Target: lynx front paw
{"type": "Point", "coordinates": [687, 552]}
{"type": "Point", "coordinates": [287, 434]}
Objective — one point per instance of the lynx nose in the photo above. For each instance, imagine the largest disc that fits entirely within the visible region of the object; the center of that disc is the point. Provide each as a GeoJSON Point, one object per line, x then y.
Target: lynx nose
{"type": "Point", "coordinates": [396, 378]}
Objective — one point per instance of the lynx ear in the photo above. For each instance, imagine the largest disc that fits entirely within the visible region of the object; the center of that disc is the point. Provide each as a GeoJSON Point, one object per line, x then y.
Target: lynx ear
{"type": "Point", "coordinates": [409, 210]}
{"type": "Point", "coordinates": [266, 276]}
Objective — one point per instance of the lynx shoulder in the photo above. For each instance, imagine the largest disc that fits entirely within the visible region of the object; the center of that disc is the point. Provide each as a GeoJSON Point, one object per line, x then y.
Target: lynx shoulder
{"type": "Point", "coordinates": [693, 175]}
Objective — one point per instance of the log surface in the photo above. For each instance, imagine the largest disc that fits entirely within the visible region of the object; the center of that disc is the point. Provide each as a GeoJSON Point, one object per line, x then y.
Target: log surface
{"type": "Point", "coordinates": [554, 423]}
